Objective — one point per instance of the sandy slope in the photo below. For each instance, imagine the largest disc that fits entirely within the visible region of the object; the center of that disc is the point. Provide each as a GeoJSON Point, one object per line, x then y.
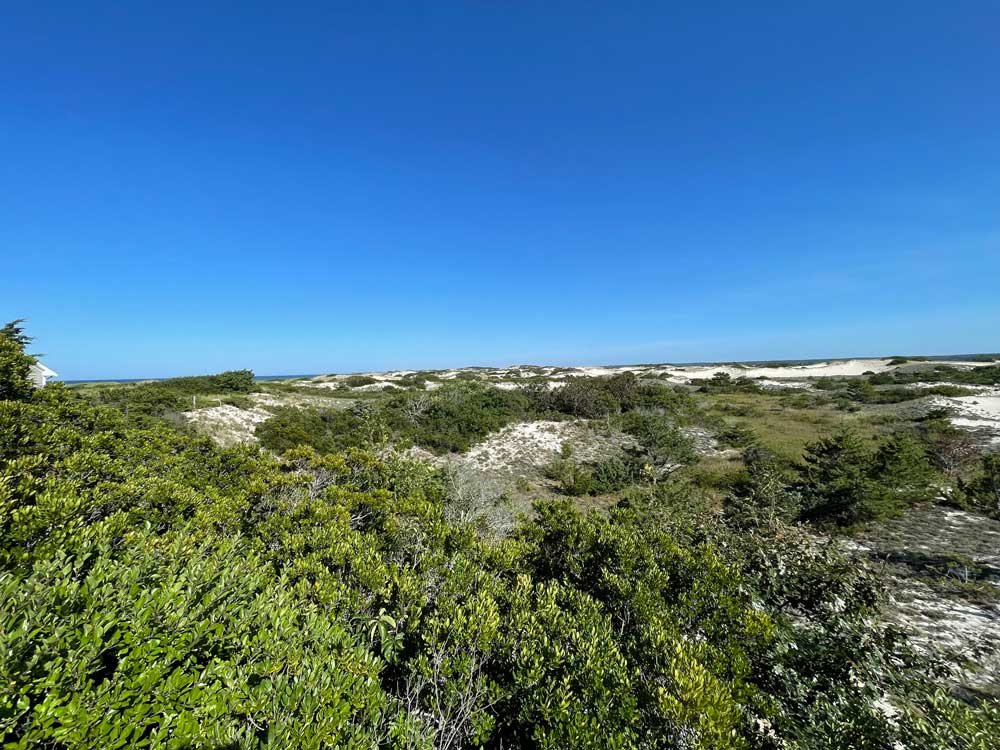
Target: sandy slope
{"type": "Point", "coordinates": [534, 444]}
{"type": "Point", "coordinates": [936, 620]}
{"type": "Point", "coordinates": [227, 424]}
{"type": "Point", "coordinates": [979, 413]}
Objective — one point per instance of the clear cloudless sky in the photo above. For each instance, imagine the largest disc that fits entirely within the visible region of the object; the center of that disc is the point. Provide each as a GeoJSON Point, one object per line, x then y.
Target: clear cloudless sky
{"type": "Point", "coordinates": [301, 187]}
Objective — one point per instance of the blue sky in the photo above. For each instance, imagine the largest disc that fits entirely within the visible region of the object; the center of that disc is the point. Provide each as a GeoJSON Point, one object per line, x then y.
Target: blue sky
{"type": "Point", "coordinates": [312, 187]}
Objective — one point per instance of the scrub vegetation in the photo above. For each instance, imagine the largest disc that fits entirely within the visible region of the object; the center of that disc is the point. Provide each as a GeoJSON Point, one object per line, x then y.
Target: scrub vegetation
{"type": "Point", "coordinates": [324, 589]}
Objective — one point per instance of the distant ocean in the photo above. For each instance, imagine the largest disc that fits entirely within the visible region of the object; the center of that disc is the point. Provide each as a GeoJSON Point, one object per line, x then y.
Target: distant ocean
{"type": "Point", "coordinates": [141, 380]}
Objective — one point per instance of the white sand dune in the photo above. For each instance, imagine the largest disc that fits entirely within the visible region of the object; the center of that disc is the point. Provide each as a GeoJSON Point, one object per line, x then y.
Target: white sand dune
{"type": "Point", "coordinates": [979, 413]}
{"type": "Point", "coordinates": [227, 424]}
{"type": "Point", "coordinates": [526, 445]}
{"type": "Point", "coordinates": [776, 375]}
{"type": "Point", "coordinates": [843, 368]}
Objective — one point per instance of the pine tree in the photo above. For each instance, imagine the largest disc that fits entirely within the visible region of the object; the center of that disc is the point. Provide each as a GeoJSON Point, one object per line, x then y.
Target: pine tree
{"type": "Point", "coordinates": [836, 482]}
{"type": "Point", "coordinates": [15, 364]}
{"type": "Point", "coordinates": [902, 466]}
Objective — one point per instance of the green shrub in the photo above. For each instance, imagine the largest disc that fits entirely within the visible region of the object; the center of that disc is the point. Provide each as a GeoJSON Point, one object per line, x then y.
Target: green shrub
{"type": "Point", "coordinates": [617, 473]}
{"type": "Point", "coordinates": [573, 478]}
{"type": "Point", "coordinates": [979, 375]}
{"type": "Point", "coordinates": [327, 431]}
{"type": "Point", "coordinates": [901, 465]}
{"type": "Point", "coordinates": [737, 436]}
{"type": "Point", "coordinates": [593, 398]}
{"type": "Point", "coordinates": [763, 495]}
{"type": "Point", "coordinates": [172, 642]}
{"type": "Point", "coordinates": [659, 437]}
{"type": "Point", "coordinates": [156, 399]}
{"type": "Point", "coordinates": [454, 416]}
{"type": "Point", "coordinates": [982, 492]}
{"type": "Point", "coordinates": [600, 478]}
{"type": "Point", "coordinates": [723, 382]}
{"type": "Point", "coordinates": [356, 381]}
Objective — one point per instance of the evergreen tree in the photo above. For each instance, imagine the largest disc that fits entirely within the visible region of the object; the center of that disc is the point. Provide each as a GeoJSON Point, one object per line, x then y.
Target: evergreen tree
{"type": "Point", "coordinates": [984, 490]}
{"type": "Point", "coordinates": [15, 364]}
{"type": "Point", "coordinates": [836, 482]}
{"type": "Point", "coordinates": [764, 496]}
{"type": "Point", "coordinates": [902, 466]}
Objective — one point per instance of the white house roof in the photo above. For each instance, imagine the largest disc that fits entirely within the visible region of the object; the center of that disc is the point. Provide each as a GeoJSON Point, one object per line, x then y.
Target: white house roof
{"type": "Point", "coordinates": [45, 371]}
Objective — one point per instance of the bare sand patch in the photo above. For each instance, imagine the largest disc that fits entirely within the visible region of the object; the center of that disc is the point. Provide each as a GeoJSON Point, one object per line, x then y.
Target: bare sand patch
{"type": "Point", "coordinates": [964, 630]}
{"type": "Point", "coordinates": [530, 446]}
{"type": "Point", "coordinates": [227, 424]}
{"type": "Point", "coordinates": [979, 413]}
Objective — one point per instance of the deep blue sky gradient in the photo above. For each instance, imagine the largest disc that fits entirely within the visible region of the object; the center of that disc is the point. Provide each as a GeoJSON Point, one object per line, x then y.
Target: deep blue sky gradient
{"type": "Point", "coordinates": [308, 187]}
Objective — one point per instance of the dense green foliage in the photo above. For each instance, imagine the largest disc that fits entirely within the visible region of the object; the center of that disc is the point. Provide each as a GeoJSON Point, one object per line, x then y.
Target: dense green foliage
{"type": "Point", "coordinates": [601, 397]}
{"type": "Point", "coordinates": [355, 381]}
{"type": "Point", "coordinates": [461, 412]}
{"type": "Point", "coordinates": [659, 437]}
{"type": "Point", "coordinates": [890, 387]}
{"type": "Point", "coordinates": [157, 398]}
{"type": "Point", "coordinates": [325, 430]}
{"type": "Point", "coordinates": [577, 478]}
{"type": "Point", "coordinates": [159, 591]}
{"type": "Point", "coordinates": [661, 449]}
{"type": "Point", "coordinates": [454, 416]}
{"type": "Point", "coordinates": [450, 418]}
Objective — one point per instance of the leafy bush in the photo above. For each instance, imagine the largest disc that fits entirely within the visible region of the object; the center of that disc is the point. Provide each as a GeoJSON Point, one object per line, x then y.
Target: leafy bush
{"type": "Point", "coordinates": [231, 381]}
{"type": "Point", "coordinates": [177, 641]}
{"type": "Point", "coordinates": [600, 478]}
{"type": "Point", "coordinates": [979, 375]}
{"type": "Point", "coordinates": [450, 418]}
{"type": "Point", "coordinates": [617, 473]}
{"type": "Point", "coordinates": [901, 465]}
{"type": "Point", "coordinates": [723, 382]}
{"type": "Point", "coordinates": [573, 477]}
{"type": "Point", "coordinates": [592, 398]}
{"type": "Point", "coordinates": [327, 431]}
{"type": "Point", "coordinates": [737, 436]}
{"type": "Point", "coordinates": [356, 381]}
{"type": "Point", "coordinates": [455, 415]}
